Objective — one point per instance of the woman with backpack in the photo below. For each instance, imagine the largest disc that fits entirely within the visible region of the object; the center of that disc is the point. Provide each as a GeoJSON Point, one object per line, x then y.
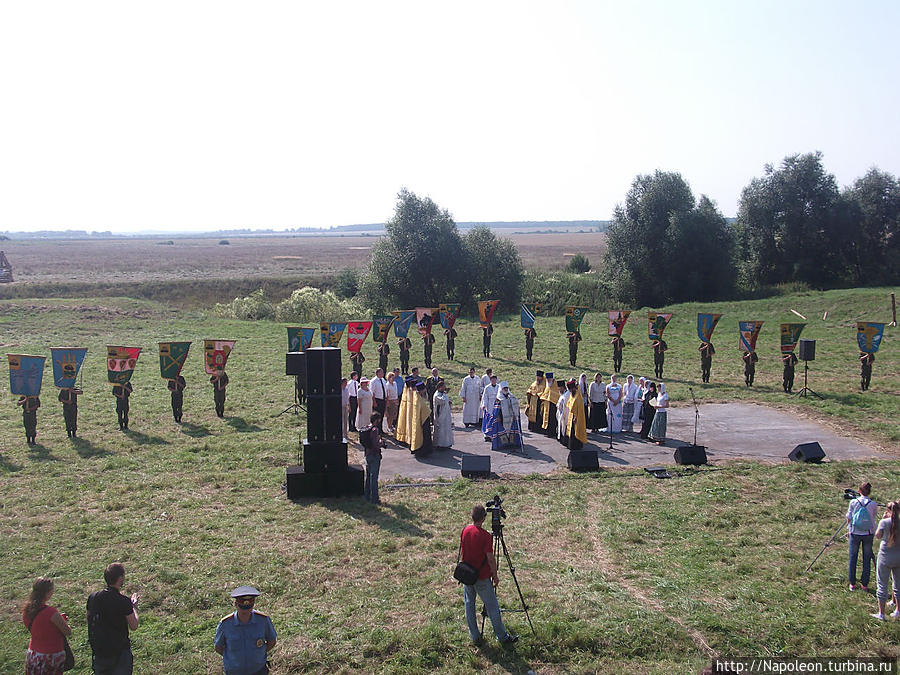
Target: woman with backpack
{"type": "Point", "coordinates": [862, 515]}
{"type": "Point", "coordinates": [888, 531]}
{"type": "Point", "coordinates": [49, 628]}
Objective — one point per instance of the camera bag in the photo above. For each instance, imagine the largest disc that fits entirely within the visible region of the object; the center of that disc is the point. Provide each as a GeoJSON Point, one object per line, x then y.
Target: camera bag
{"type": "Point", "coordinates": [465, 573]}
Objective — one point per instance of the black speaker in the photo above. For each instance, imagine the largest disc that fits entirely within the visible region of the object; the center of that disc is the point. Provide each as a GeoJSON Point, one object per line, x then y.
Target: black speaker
{"type": "Point", "coordinates": [323, 419]}
{"type": "Point", "coordinates": [807, 350]}
{"type": "Point", "coordinates": [690, 454]}
{"type": "Point", "coordinates": [476, 466]}
{"type": "Point", "coordinates": [302, 483]}
{"type": "Point", "coordinates": [583, 460]}
{"type": "Point", "coordinates": [324, 457]}
{"type": "Point", "coordinates": [807, 452]}
{"type": "Point", "coordinates": [295, 364]}
{"type": "Point", "coordinates": [323, 371]}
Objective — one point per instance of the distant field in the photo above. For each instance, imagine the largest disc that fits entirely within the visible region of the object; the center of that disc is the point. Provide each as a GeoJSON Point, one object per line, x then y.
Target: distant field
{"type": "Point", "coordinates": [144, 260]}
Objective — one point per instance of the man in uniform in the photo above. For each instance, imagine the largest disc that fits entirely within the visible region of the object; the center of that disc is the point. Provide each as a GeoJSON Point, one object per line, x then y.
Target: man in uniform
{"type": "Point", "coordinates": [404, 344]}
{"type": "Point", "coordinates": [530, 334]}
{"type": "Point", "coordinates": [450, 334]}
{"type": "Point", "coordinates": [383, 351]}
{"type": "Point", "coordinates": [219, 382]}
{"type": "Point", "coordinates": [245, 636]}
{"type": "Point", "coordinates": [429, 340]}
{"type": "Point", "coordinates": [787, 378]}
{"type": "Point", "coordinates": [357, 358]}
{"type": "Point", "coordinates": [122, 392]}
{"type": "Point", "coordinates": [659, 356]}
{"type": "Point", "coordinates": [487, 332]}
{"type": "Point", "coordinates": [617, 344]}
{"type": "Point", "coordinates": [69, 399]}
{"type": "Point", "coordinates": [865, 369]}
{"type": "Point", "coordinates": [750, 359]}
{"type": "Point", "coordinates": [706, 353]}
{"type": "Point", "coordinates": [533, 400]}
{"type": "Point", "coordinates": [574, 338]}
{"type": "Point", "coordinates": [177, 386]}
{"type": "Point", "coordinates": [29, 404]}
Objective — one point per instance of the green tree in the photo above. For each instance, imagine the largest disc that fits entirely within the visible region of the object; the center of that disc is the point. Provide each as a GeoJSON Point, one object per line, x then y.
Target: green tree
{"type": "Point", "coordinates": [578, 264]}
{"type": "Point", "coordinates": [346, 284]}
{"type": "Point", "coordinates": [702, 243]}
{"type": "Point", "coordinates": [495, 269]}
{"type": "Point", "coordinates": [874, 248]}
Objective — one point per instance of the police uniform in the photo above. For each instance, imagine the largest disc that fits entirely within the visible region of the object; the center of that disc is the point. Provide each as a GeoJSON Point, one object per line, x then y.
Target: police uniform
{"type": "Point", "coordinates": [244, 644]}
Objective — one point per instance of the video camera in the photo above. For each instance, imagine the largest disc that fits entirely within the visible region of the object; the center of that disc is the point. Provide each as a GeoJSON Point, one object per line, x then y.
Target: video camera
{"type": "Point", "coordinates": [496, 510]}
{"type": "Point", "coordinates": [850, 493]}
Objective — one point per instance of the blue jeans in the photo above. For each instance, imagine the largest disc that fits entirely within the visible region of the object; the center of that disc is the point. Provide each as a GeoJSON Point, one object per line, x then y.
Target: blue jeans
{"type": "Point", "coordinates": [864, 540]}
{"type": "Point", "coordinates": [117, 664]}
{"type": "Point", "coordinates": [373, 465]}
{"type": "Point", "coordinates": [485, 590]}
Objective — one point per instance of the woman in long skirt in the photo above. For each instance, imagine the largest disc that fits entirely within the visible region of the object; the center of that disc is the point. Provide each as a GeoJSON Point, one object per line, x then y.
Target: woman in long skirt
{"type": "Point", "coordinates": [658, 428]}
{"type": "Point", "coordinates": [649, 410]}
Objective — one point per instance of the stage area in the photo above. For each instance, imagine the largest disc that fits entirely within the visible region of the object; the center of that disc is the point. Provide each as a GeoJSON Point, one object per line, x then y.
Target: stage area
{"type": "Point", "coordinates": [729, 431]}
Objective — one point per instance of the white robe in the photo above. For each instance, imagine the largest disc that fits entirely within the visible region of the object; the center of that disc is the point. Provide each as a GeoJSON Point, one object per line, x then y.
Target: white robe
{"type": "Point", "coordinates": [363, 408]}
{"type": "Point", "coordinates": [562, 414]}
{"type": "Point", "coordinates": [614, 410]}
{"type": "Point", "coordinates": [486, 380]}
{"type": "Point", "coordinates": [471, 392]}
{"type": "Point", "coordinates": [488, 398]}
{"type": "Point", "coordinates": [443, 421]}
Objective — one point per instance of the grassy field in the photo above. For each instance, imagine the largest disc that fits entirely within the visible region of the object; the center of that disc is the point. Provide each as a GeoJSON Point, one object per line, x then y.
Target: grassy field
{"type": "Point", "coordinates": [638, 575]}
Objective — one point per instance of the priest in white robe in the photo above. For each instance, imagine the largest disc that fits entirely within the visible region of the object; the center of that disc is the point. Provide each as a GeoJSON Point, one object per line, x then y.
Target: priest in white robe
{"type": "Point", "coordinates": [506, 424]}
{"type": "Point", "coordinates": [470, 392]}
{"type": "Point", "coordinates": [443, 419]}
{"type": "Point", "coordinates": [562, 413]}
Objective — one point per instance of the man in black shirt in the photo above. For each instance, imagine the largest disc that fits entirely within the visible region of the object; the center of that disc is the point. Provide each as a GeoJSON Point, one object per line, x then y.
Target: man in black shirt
{"type": "Point", "coordinates": [110, 615]}
{"type": "Point", "coordinates": [122, 392]}
{"type": "Point", "coordinates": [69, 399]}
{"type": "Point", "coordinates": [177, 386]}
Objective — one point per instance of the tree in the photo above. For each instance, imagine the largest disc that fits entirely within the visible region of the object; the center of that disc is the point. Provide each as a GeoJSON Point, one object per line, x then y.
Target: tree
{"type": "Point", "coordinates": [702, 243]}
{"type": "Point", "coordinates": [578, 264]}
{"type": "Point", "coordinates": [346, 284]}
{"type": "Point", "coordinates": [421, 260]}
{"type": "Point", "coordinates": [874, 249]}
{"type": "Point", "coordinates": [495, 271]}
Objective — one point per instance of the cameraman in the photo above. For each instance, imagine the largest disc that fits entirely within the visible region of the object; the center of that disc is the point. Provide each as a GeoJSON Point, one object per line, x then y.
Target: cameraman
{"type": "Point", "coordinates": [862, 518]}
{"type": "Point", "coordinates": [476, 548]}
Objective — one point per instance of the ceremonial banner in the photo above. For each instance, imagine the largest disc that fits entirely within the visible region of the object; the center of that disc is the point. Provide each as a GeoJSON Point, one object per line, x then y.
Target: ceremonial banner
{"type": "Point", "coordinates": [299, 339]}
{"type": "Point", "coordinates": [382, 325]}
{"type": "Point", "coordinates": [66, 364]}
{"type": "Point", "coordinates": [120, 363]}
{"type": "Point", "coordinates": [216, 354]}
{"type": "Point", "coordinates": [402, 319]}
{"type": "Point", "coordinates": [749, 331]}
{"type": "Point", "coordinates": [617, 319]}
{"type": "Point", "coordinates": [424, 318]}
{"type": "Point", "coordinates": [306, 338]}
{"type": "Point", "coordinates": [529, 310]}
{"type": "Point", "coordinates": [486, 311]}
{"type": "Point", "coordinates": [657, 322]}
{"type": "Point", "coordinates": [449, 311]}
{"type": "Point", "coordinates": [790, 335]}
{"type": "Point", "coordinates": [868, 335]}
{"type": "Point", "coordinates": [172, 356]}
{"type": "Point", "coordinates": [574, 317]}
{"type": "Point", "coordinates": [706, 324]}
{"type": "Point", "coordinates": [357, 331]}
{"type": "Point", "coordinates": [25, 374]}
{"type": "Point", "coordinates": [331, 333]}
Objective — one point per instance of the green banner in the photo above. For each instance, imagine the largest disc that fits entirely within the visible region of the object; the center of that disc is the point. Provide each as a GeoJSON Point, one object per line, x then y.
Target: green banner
{"type": "Point", "coordinates": [574, 317]}
{"type": "Point", "coordinates": [172, 356]}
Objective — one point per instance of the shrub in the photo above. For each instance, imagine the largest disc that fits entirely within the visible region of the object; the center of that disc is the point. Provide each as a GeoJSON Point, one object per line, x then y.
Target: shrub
{"type": "Point", "coordinates": [346, 284]}
{"type": "Point", "coordinates": [224, 242]}
{"type": "Point", "coordinates": [253, 307]}
{"type": "Point", "coordinates": [578, 264]}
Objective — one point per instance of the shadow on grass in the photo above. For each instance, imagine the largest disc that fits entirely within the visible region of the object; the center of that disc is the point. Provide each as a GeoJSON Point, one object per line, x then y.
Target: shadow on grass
{"type": "Point", "coordinates": [193, 430]}
{"type": "Point", "coordinates": [395, 518]}
{"type": "Point", "coordinates": [240, 424]}
{"type": "Point", "coordinates": [40, 453]}
{"type": "Point", "coordinates": [144, 439]}
{"type": "Point", "coordinates": [86, 449]}
{"type": "Point", "coordinates": [7, 465]}
{"type": "Point", "coordinates": [505, 657]}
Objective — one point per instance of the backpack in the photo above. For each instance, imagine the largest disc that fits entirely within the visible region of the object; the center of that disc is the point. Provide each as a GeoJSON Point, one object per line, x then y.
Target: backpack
{"type": "Point", "coordinates": [101, 638]}
{"type": "Point", "coordinates": [861, 521]}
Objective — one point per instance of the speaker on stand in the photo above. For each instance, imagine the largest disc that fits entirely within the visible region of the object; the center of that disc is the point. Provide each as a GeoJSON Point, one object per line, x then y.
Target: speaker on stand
{"type": "Point", "coordinates": [807, 353]}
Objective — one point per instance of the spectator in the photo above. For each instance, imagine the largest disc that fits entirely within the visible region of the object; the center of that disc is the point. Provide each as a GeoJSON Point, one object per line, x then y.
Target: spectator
{"type": "Point", "coordinates": [110, 615]}
{"type": "Point", "coordinates": [49, 627]}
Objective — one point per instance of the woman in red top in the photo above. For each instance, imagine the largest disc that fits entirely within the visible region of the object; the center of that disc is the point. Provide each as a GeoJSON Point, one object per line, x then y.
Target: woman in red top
{"type": "Point", "coordinates": [46, 654]}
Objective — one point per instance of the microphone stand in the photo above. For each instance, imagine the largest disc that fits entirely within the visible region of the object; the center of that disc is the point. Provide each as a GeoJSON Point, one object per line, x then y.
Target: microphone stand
{"type": "Point", "coordinates": [696, 415]}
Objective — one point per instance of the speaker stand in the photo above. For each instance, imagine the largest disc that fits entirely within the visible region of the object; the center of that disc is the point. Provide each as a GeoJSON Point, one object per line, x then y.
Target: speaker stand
{"type": "Point", "coordinates": [806, 391]}
{"type": "Point", "coordinates": [295, 407]}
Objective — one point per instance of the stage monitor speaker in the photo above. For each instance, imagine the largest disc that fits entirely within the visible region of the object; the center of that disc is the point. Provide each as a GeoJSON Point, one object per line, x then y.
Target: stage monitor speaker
{"type": "Point", "coordinates": [807, 350]}
{"type": "Point", "coordinates": [583, 460]}
{"type": "Point", "coordinates": [323, 419]}
{"type": "Point", "coordinates": [323, 371]}
{"type": "Point", "coordinates": [476, 466]}
{"type": "Point", "coordinates": [324, 457]}
{"type": "Point", "coordinates": [690, 454]}
{"type": "Point", "coordinates": [807, 452]}
{"type": "Point", "coordinates": [301, 484]}
{"type": "Point", "coordinates": [295, 364]}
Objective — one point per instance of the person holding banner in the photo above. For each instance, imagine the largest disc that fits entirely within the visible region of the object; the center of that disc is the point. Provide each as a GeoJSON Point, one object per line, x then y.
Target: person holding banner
{"type": "Point", "coordinates": [865, 369]}
{"type": "Point", "coordinates": [659, 356]}
{"type": "Point", "coordinates": [122, 392]}
{"type": "Point", "coordinates": [450, 334]}
{"type": "Point", "coordinates": [574, 338]}
{"type": "Point", "coordinates": [357, 358]}
{"type": "Point", "coordinates": [750, 359]}
{"type": "Point", "coordinates": [429, 341]}
{"type": "Point", "coordinates": [617, 344]}
{"type": "Point", "coordinates": [706, 353]}
{"type": "Point", "coordinates": [487, 332]}
{"type": "Point", "coordinates": [383, 351]}
{"type": "Point", "coordinates": [29, 404]}
{"type": "Point", "coordinates": [219, 381]}
{"type": "Point", "coordinates": [404, 344]}
{"type": "Point", "coordinates": [787, 378]}
{"type": "Point", "coordinates": [176, 387]}
{"type": "Point", "coordinates": [69, 399]}
{"type": "Point", "coordinates": [530, 334]}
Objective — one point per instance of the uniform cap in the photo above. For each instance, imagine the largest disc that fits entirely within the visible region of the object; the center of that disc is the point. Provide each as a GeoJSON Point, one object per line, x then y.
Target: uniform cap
{"type": "Point", "coordinates": [241, 591]}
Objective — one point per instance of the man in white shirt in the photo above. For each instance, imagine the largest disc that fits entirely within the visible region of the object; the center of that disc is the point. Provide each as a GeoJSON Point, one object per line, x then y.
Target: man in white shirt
{"type": "Point", "coordinates": [631, 391]}
{"type": "Point", "coordinates": [487, 406]}
{"type": "Point", "coordinates": [352, 396]}
{"type": "Point", "coordinates": [378, 387]}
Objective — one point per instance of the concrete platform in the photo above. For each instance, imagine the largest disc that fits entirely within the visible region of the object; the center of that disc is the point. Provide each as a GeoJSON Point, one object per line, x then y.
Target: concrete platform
{"type": "Point", "coordinates": [729, 431]}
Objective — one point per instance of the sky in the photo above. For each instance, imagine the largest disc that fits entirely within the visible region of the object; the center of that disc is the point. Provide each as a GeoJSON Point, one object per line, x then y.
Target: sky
{"type": "Point", "coordinates": [190, 116]}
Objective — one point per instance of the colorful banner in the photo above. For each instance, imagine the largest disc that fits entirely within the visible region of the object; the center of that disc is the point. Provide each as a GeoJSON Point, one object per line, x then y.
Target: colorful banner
{"type": "Point", "coordinates": [617, 319]}
{"type": "Point", "coordinates": [449, 311]}
{"type": "Point", "coordinates": [486, 311]}
{"type": "Point", "coordinates": [172, 356]}
{"type": "Point", "coordinates": [574, 317]}
{"type": "Point", "coordinates": [425, 316]}
{"type": "Point", "coordinates": [25, 374]}
{"type": "Point", "coordinates": [215, 354]}
{"type": "Point", "coordinates": [749, 331]}
{"type": "Point", "coordinates": [868, 336]}
{"type": "Point", "coordinates": [382, 325]}
{"type": "Point", "coordinates": [656, 324]}
{"type": "Point", "coordinates": [706, 324]}
{"type": "Point", "coordinates": [402, 319]}
{"type": "Point", "coordinates": [357, 331]}
{"type": "Point", "coordinates": [299, 338]}
{"type": "Point", "coordinates": [790, 336]}
{"type": "Point", "coordinates": [529, 311]}
{"type": "Point", "coordinates": [66, 364]}
{"type": "Point", "coordinates": [332, 333]}
{"type": "Point", "coordinates": [120, 363]}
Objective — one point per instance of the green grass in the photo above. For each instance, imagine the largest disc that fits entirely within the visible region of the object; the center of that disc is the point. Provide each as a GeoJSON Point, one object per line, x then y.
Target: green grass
{"type": "Point", "coordinates": [623, 573]}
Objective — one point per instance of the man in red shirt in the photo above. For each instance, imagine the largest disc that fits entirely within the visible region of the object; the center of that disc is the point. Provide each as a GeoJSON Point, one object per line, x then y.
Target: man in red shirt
{"type": "Point", "coordinates": [477, 549]}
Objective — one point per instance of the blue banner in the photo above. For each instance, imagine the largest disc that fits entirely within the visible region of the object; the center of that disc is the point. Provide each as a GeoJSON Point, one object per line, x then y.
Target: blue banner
{"type": "Point", "coordinates": [25, 374]}
{"type": "Point", "coordinates": [402, 321]}
{"type": "Point", "coordinates": [706, 324]}
{"type": "Point", "coordinates": [868, 336]}
{"type": "Point", "coordinates": [527, 320]}
{"type": "Point", "coordinates": [66, 364]}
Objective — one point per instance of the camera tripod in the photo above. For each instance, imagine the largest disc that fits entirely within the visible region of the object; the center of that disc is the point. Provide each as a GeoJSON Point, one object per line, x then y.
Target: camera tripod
{"type": "Point", "coordinates": [500, 545]}
{"type": "Point", "coordinates": [848, 494]}
{"type": "Point", "coordinates": [294, 407]}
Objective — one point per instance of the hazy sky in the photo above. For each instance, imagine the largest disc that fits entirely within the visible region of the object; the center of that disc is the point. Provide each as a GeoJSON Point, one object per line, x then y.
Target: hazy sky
{"type": "Point", "coordinates": [206, 115]}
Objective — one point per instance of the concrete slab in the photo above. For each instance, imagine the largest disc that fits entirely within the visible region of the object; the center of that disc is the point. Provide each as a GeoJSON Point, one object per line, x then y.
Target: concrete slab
{"type": "Point", "coordinates": [729, 431]}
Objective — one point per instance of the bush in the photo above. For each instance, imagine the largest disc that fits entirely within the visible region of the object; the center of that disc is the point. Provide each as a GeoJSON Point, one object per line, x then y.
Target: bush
{"type": "Point", "coordinates": [558, 289]}
{"type": "Point", "coordinates": [224, 242]}
{"type": "Point", "coordinates": [346, 285]}
{"type": "Point", "coordinates": [253, 307]}
{"type": "Point", "coordinates": [313, 305]}
{"type": "Point", "coordinates": [578, 264]}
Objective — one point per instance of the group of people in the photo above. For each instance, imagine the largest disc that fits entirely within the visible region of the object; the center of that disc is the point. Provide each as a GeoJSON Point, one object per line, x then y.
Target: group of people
{"type": "Point", "coordinates": [122, 395]}
{"type": "Point", "coordinates": [566, 409]}
{"type": "Point", "coordinates": [243, 638]}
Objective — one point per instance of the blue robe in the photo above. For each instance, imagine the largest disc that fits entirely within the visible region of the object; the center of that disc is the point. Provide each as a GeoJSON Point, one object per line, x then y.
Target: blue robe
{"type": "Point", "coordinates": [505, 435]}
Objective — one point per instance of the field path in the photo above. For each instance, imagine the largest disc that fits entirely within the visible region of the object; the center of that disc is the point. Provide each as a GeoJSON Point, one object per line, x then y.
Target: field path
{"type": "Point", "coordinates": [606, 563]}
